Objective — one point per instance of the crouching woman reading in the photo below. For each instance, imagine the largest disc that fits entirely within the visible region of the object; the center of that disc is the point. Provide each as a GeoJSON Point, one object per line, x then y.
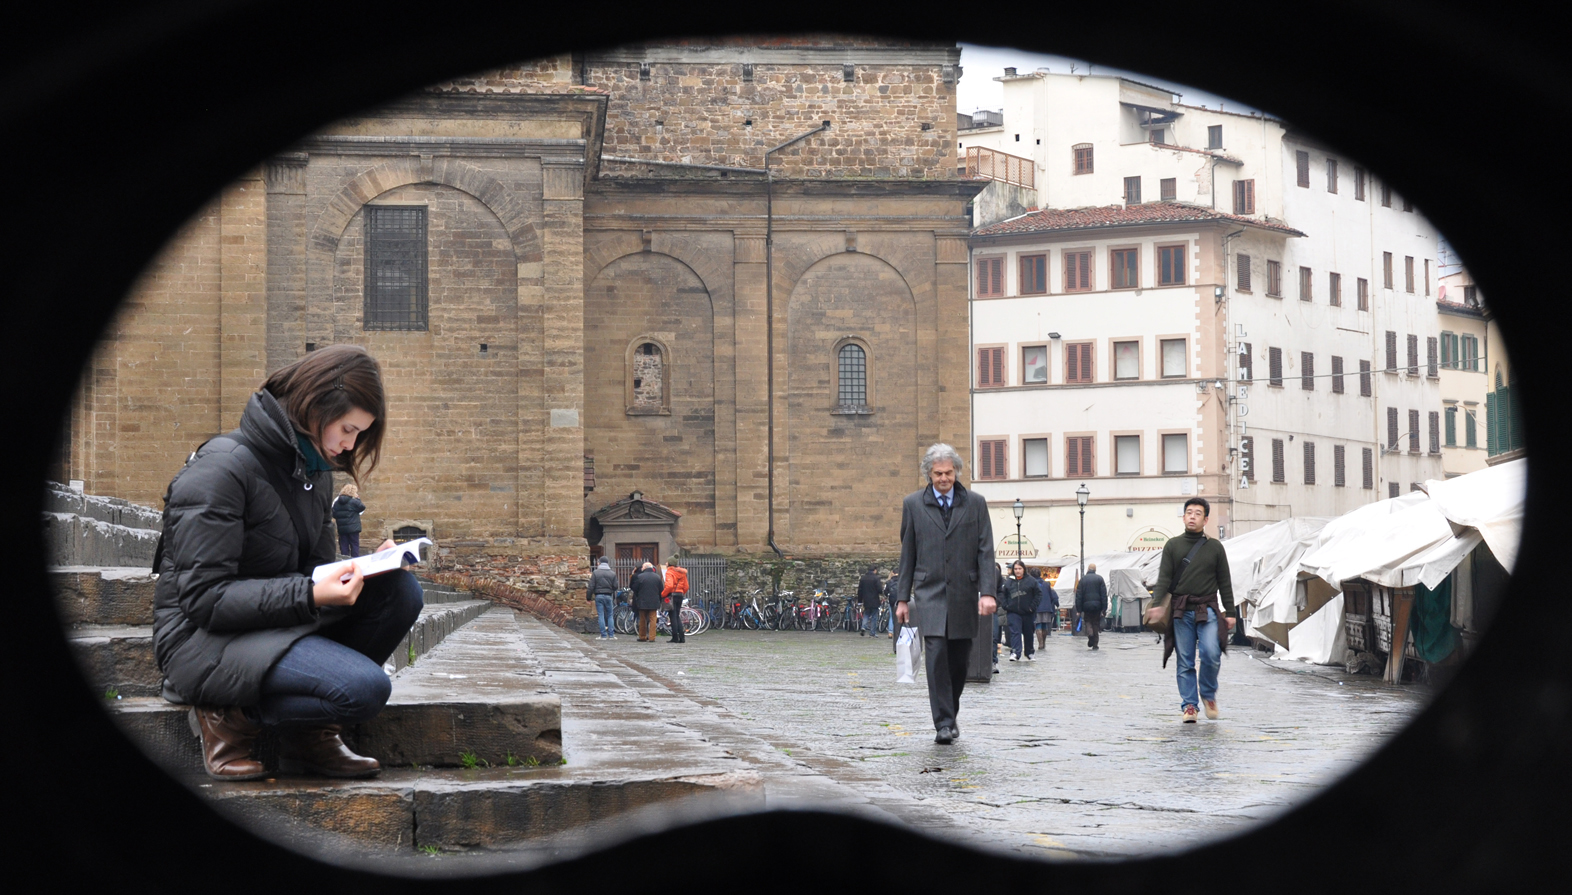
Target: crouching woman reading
{"type": "Point", "coordinates": [240, 631]}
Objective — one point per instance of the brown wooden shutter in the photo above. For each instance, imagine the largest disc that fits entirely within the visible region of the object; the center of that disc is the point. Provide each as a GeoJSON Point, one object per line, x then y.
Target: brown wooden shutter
{"type": "Point", "coordinates": [1367, 461]}
{"type": "Point", "coordinates": [1432, 349]}
{"type": "Point", "coordinates": [1277, 460]}
{"type": "Point", "coordinates": [1309, 462]}
{"type": "Point", "coordinates": [990, 367]}
{"type": "Point", "coordinates": [1365, 384]}
{"type": "Point", "coordinates": [1391, 428]}
{"type": "Point", "coordinates": [1302, 166]}
{"type": "Point", "coordinates": [992, 460]}
{"type": "Point", "coordinates": [1275, 366]}
{"type": "Point", "coordinates": [1242, 273]}
{"type": "Point", "coordinates": [1413, 431]}
{"type": "Point", "coordinates": [1338, 478]}
{"type": "Point", "coordinates": [1413, 355]}
{"type": "Point", "coordinates": [1337, 375]}
{"type": "Point", "coordinates": [1307, 371]}
{"type": "Point", "coordinates": [1078, 362]}
{"type": "Point", "coordinates": [1435, 432]}
{"type": "Point", "coordinates": [1391, 351]}
{"type": "Point", "coordinates": [1072, 456]}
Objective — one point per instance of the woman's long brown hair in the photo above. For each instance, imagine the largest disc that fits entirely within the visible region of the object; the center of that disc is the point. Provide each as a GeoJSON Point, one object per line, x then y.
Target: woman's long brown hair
{"type": "Point", "coordinates": [325, 385]}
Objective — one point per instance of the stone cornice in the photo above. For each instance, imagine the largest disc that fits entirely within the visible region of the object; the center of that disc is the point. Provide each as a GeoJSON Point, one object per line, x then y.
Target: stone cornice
{"type": "Point", "coordinates": [827, 56]}
{"type": "Point", "coordinates": [568, 150]}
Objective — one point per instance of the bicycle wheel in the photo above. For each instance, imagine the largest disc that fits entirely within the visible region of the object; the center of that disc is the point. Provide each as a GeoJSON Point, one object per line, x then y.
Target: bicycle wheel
{"type": "Point", "coordinates": [624, 620]}
{"type": "Point", "coordinates": [692, 621]}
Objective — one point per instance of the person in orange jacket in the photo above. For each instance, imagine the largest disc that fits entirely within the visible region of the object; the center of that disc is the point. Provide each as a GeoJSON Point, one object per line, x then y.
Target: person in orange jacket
{"type": "Point", "coordinates": [676, 590]}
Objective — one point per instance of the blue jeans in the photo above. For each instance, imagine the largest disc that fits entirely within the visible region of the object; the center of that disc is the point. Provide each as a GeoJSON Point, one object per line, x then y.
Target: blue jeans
{"type": "Point", "coordinates": [870, 621]}
{"type": "Point", "coordinates": [1188, 634]}
{"type": "Point", "coordinates": [1015, 634]}
{"type": "Point", "coordinates": [603, 612]}
{"type": "Point", "coordinates": [335, 676]}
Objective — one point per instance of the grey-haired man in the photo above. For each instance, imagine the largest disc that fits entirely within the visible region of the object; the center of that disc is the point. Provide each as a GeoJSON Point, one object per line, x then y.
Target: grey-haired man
{"type": "Point", "coordinates": [946, 579]}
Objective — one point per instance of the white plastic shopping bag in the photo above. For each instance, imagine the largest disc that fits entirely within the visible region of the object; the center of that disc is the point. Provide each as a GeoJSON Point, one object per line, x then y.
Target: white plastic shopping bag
{"type": "Point", "coordinates": [908, 655]}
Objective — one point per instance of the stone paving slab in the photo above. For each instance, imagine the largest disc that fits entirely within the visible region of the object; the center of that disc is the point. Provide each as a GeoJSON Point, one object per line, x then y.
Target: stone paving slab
{"type": "Point", "coordinates": [1079, 754]}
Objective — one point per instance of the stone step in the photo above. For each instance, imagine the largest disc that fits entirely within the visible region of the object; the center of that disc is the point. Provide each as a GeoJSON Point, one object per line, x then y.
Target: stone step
{"type": "Point", "coordinates": [479, 693]}
{"type": "Point", "coordinates": [75, 540]}
{"type": "Point", "coordinates": [100, 595]}
{"type": "Point", "coordinates": [120, 657]}
{"type": "Point", "coordinates": [60, 499]}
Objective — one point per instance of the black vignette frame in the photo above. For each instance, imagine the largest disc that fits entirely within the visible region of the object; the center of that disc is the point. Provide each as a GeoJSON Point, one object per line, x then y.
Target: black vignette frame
{"type": "Point", "coordinates": [121, 121]}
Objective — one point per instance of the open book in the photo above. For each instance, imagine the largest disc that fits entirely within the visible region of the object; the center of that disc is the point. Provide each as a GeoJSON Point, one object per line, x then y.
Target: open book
{"type": "Point", "coordinates": [395, 557]}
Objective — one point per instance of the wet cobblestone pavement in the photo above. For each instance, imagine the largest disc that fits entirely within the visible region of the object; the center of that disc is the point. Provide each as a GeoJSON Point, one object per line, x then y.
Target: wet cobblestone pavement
{"type": "Point", "coordinates": [1078, 754]}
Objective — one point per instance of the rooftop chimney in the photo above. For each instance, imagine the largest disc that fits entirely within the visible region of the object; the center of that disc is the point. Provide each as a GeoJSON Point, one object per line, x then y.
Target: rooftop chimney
{"type": "Point", "coordinates": [1009, 72]}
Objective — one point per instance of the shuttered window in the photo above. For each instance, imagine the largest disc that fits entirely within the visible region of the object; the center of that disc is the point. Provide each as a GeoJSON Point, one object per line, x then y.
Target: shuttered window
{"type": "Point", "coordinates": [1034, 274]}
{"type": "Point", "coordinates": [1413, 355]}
{"type": "Point", "coordinates": [1170, 265]}
{"type": "Point", "coordinates": [1408, 274]}
{"type": "Point", "coordinates": [1309, 449]}
{"type": "Point", "coordinates": [1471, 426]}
{"type": "Point", "coordinates": [1302, 167]}
{"type": "Point", "coordinates": [1391, 428]}
{"type": "Point", "coordinates": [1364, 379]}
{"type": "Point", "coordinates": [990, 277]}
{"type": "Point", "coordinates": [1132, 191]}
{"type": "Point", "coordinates": [1451, 425]}
{"type": "Point", "coordinates": [1247, 458]}
{"type": "Point", "coordinates": [1307, 371]}
{"type": "Point", "coordinates": [1083, 158]}
{"type": "Point", "coordinates": [1367, 468]}
{"type": "Point", "coordinates": [1448, 351]}
{"type": "Point", "coordinates": [1078, 362]}
{"type": "Point", "coordinates": [1242, 273]}
{"type": "Point", "coordinates": [1432, 369]}
{"type": "Point", "coordinates": [1338, 477]}
{"type": "Point", "coordinates": [1277, 461]}
{"type": "Point", "coordinates": [1394, 490]}
{"type": "Point", "coordinates": [1274, 279]}
{"type": "Point", "coordinates": [1331, 175]}
{"type": "Point", "coordinates": [1337, 375]}
{"type": "Point", "coordinates": [1305, 284]}
{"type": "Point", "coordinates": [991, 460]}
{"type": "Point", "coordinates": [1362, 294]}
{"type": "Point", "coordinates": [1079, 457]}
{"type": "Point", "coordinates": [1334, 288]}
{"type": "Point", "coordinates": [1274, 366]}
{"type": "Point", "coordinates": [1391, 351]}
{"type": "Point", "coordinates": [990, 367]}
{"type": "Point", "coordinates": [1244, 197]}
{"type": "Point", "coordinates": [1435, 431]}
{"type": "Point", "coordinates": [1168, 189]}
{"type": "Point", "coordinates": [1077, 271]}
{"type": "Point", "coordinates": [1359, 183]}
{"type": "Point", "coordinates": [1413, 431]}
{"type": "Point", "coordinates": [1386, 269]}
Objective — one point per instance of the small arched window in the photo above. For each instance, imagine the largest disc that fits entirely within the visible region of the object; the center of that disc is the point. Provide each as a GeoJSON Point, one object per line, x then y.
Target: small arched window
{"type": "Point", "coordinates": [649, 377]}
{"type": "Point", "coordinates": [852, 377]}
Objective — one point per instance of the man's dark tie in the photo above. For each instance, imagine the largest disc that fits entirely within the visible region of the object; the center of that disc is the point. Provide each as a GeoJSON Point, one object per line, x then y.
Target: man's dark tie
{"type": "Point", "coordinates": [944, 507]}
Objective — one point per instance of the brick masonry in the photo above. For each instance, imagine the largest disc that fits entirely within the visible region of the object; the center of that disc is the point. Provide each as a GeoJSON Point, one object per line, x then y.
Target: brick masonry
{"type": "Point", "coordinates": [560, 264]}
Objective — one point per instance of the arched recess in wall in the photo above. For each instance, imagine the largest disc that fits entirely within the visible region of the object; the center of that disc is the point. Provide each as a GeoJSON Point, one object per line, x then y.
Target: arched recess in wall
{"type": "Point", "coordinates": [454, 385]}
{"type": "Point", "coordinates": [668, 452]}
{"type": "Point", "coordinates": [848, 468]}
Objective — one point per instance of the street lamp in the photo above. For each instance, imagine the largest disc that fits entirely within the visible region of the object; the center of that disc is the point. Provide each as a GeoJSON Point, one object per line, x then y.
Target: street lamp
{"type": "Point", "coordinates": [1081, 494]}
{"type": "Point", "coordinates": [1020, 510]}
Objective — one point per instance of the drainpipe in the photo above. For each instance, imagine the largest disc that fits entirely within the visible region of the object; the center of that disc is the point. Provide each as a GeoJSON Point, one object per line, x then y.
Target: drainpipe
{"type": "Point", "coordinates": [769, 324]}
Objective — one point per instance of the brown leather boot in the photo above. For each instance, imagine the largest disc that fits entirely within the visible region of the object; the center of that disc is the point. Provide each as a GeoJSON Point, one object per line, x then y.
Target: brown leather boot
{"type": "Point", "coordinates": [318, 750]}
{"type": "Point", "coordinates": [227, 738]}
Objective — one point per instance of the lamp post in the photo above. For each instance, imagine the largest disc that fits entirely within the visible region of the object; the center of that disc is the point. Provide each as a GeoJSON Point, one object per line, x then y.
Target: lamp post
{"type": "Point", "coordinates": [1081, 494]}
{"type": "Point", "coordinates": [1020, 510]}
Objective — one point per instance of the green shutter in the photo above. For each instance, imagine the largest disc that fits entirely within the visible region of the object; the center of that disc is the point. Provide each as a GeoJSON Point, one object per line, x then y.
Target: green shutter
{"type": "Point", "coordinates": [1451, 427]}
{"type": "Point", "coordinates": [1470, 427]}
{"type": "Point", "coordinates": [1492, 425]}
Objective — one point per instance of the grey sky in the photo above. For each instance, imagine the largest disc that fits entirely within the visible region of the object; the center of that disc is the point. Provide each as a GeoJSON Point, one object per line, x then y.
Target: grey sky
{"type": "Point", "coordinates": [980, 65]}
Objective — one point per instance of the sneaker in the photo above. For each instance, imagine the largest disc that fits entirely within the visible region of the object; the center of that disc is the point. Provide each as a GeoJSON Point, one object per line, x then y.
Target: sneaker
{"type": "Point", "coordinates": [1015, 658]}
{"type": "Point", "coordinates": [1189, 714]}
{"type": "Point", "coordinates": [1211, 709]}
{"type": "Point", "coordinates": [1029, 658]}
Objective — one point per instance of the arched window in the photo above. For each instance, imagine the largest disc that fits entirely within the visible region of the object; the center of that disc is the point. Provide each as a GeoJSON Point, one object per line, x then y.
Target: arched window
{"type": "Point", "coordinates": [852, 394]}
{"type": "Point", "coordinates": [648, 389]}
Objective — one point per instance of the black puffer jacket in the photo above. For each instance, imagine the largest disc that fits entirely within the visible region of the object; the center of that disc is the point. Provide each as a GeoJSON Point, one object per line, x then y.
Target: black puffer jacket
{"type": "Point", "coordinates": [231, 595]}
{"type": "Point", "coordinates": [346, 514]}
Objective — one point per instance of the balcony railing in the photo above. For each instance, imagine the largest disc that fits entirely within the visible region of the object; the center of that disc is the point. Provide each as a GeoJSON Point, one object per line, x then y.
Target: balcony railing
{"type": "Point", "coordinates": [995, 165]}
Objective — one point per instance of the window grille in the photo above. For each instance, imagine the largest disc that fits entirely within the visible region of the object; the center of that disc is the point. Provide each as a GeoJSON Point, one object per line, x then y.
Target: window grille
{"type": "Point", "coordinates": [395, 275]}
{"type": "Point", "coordinates": [853, 376]}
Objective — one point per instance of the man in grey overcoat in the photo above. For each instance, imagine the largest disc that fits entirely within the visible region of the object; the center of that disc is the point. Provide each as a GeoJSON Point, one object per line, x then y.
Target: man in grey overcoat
{"type": "Point", "coordinates": [946, 579]}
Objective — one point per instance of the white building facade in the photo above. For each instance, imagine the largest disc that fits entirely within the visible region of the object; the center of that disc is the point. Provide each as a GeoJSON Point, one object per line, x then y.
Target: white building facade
{"type": "Point", "coordinates": [1327, 343]}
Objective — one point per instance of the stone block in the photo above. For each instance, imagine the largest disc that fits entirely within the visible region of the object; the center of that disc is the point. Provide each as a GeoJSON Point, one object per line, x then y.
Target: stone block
{"type": "Point", "coordinates": [104, 596]}
{"type": "Point", "coordinates": [118, 657]}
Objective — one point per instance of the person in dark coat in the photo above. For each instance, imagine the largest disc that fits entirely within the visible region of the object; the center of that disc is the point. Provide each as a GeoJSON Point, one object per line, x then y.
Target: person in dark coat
{"type": "Point", "coordinates": [240, 630]}
{"type": "Point", "coordinates": [1047, 609]}
{"type": "Point", "coordinates": [1018, 600]}
{"type": "Point", "coordinates": [601, 590]}
{"type": "Point", "coordinates": [946, 579]}
{"type": "Point", "coordinates": [869, 589]}
{"type": "Point", "coordinates": [1091, 598]}
{"type": "Point", "coordinates": [346, 516]}
{"type": "Point", "coordinates": [646, 586]}
{"type": "Point", "coordinates": [890, 589]}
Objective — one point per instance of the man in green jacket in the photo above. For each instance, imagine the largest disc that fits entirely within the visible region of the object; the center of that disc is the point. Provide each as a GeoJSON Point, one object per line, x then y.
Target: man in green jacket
{"type": "Point", "coordinates": [1196, 584]}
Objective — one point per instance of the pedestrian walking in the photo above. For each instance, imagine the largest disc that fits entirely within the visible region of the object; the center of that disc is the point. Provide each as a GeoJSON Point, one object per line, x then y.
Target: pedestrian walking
{"type": "Point", "coordinates": [1091, 598]}
{"type": "Point", "coordinates": [676, 590]}
{"type": "Point", "coordinates": [347, 508]}
{"type": "Point", "coordinates": [946, 579]}
{"type": "Point", "coordinates": [1018, 600]}
{"type": "Point", "coordinates": [1195, 570]}
{"type": "Point", "coordinates": [1047, 609]}
{"type": "Point", "coordinates": [646, 585]}
{"type": "Point", "coordinates": [869, 588]}
{"type": "Point", "coordinates": [601, 591]}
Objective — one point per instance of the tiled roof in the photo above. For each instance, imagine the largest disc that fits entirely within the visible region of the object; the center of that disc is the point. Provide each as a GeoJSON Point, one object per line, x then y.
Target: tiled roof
{"type": "Point", "coordinates": [1053, 219]}
{"type": "Point", "coordinates": [1457, 307]}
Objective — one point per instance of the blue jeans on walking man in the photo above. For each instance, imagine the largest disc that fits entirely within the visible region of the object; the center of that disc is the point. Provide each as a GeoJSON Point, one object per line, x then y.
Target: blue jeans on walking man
{"type": "Point", "coordinates": [603, 613]}
{"type": "Point", "coordinates": [1189, 634]}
